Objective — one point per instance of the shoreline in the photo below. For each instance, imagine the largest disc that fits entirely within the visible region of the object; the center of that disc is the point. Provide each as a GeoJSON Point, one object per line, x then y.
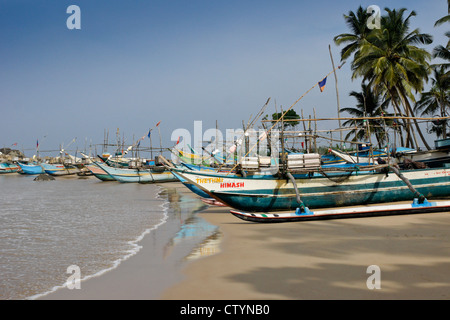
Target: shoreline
{"type": "Point", "coordinates": [155, 267]}
{"type": "Point", "coordinates": [323, 259]}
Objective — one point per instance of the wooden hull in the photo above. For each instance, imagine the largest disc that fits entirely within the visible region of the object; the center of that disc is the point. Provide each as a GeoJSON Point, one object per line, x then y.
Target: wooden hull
{"type": "Point", "coordinates": [269, 193]}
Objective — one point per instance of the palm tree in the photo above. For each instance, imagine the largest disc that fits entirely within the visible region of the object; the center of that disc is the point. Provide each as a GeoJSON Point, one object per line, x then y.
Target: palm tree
{"type": "Point", "coordinates": [444, 52]}
{"type": "Point", "coordinates": [437, 100]}
{"type": "Point", "coordinates": [392, 63]}
{"type": "Point", "coordinates": [444, 18]}
{"type": "Point", "coordinates": [369, 104]}
{"type": "Point", "coordinates": [357, 22]}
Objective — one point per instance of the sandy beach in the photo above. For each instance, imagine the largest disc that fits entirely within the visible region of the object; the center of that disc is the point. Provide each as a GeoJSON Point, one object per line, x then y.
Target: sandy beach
{"type": "Point", "coordinates": [323, 259]}
{"type": "Point", "coordinates": [326, 259]}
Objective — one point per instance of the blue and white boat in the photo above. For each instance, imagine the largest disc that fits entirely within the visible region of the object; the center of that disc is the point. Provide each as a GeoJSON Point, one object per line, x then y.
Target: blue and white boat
{"type": "Point", "coordinates": [6, 167]}
{"type": "Point", "coordinates": [137, 175]}
{"type": "Point", "coordinates": [31, 168]}
{"type": "Point", "coordinates": [323, 189]}
{"type": "Point", "coordinates": [59, 169]}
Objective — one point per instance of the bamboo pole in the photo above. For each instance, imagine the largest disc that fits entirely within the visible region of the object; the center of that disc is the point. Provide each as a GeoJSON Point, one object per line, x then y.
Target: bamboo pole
{"type": "Point", "coordinates": [337, 91]}
{"type": "Point", "coordinates": [315, 131]}
{"type": "Point", "coordinates": [366, 118]}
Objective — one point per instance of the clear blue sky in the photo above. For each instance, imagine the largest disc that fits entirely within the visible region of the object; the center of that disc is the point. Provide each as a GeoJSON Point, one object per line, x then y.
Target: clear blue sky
{"type": "Point", "coordinates": [134, 63]}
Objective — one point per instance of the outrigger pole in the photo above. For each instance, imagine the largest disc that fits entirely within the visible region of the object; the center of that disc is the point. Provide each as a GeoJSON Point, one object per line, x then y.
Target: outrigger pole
{"type": "Point", "coordinates": [408, 183]}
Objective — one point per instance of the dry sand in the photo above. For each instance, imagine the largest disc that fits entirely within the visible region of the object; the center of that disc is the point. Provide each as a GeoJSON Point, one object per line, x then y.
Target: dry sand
{"type": "Point", "coordinates": [325, 259]}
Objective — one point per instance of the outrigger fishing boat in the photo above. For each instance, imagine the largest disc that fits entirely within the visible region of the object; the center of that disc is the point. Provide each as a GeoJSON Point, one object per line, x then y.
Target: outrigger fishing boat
{"type": "Point", "coordinates": [138, 175]}
{"type": "Point", "coordinates": [299, 185]}
{"type": "Point", "coordinates": [321, 188]}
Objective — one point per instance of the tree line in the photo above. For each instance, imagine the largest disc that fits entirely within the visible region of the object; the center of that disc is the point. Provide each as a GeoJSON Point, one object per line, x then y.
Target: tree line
{"type": "Point", "coordinates": [393, 68]}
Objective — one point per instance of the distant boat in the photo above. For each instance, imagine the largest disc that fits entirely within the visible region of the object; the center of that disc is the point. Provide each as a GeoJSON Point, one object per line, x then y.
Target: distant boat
{"type": "Point", "coordinates": [432, 158]}
{"type": "Point", "coordinates": [32, 168]}
{"type": "Point", "coordinates": [138, 175]}
{"type": "Point", "coordinates": [59, 169]}
{"type": "Point", "coordinates": [117, 161]}
{"type": "Point", "coordinates": [6, 167]}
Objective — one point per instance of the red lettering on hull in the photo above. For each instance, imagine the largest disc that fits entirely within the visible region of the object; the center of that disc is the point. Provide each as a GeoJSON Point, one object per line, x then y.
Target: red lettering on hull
{"type": "Point", "coordinates": [232, 185]}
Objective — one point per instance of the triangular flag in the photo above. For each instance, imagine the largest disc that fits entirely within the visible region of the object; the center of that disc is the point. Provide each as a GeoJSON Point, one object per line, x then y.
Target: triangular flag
{"type": "Point", "coordinates": [322, 84]}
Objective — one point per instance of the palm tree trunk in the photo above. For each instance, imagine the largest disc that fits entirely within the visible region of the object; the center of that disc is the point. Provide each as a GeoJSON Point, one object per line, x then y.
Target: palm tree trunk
{"type": "Point", "coordinates": [408, 114]}
{"type": "Point", "coordinates": [398, 113]}
{"type": "Point", "coordinates": [444, 126]}
{"type": "Point", "coordinates": [419, 131]}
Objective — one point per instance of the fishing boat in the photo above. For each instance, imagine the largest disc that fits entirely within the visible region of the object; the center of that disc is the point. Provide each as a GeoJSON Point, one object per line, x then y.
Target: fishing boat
{"type": "Point", "coordinates": [432, 158]}
{"type": "Point", "coordinates": [59, 169]}
{"type": "Point", "coordinates": [30, 168]}
{"type": "Point", "coordinates": [117, 161]}
{"type": "Point", "coordinates": [99, 173]}
{"type": "Point", "coordinates": [192, 187]}
{"type": "Point", "coordinates": [205, 197]}
{"type": "Point", "coordinates": [320, 188]}
{"type": "Point", "coordinates": [140, 175]}
{"type": "Point", "coordinates": [193, 158]}
{"type": "Point", "coordinates": [6, 167]}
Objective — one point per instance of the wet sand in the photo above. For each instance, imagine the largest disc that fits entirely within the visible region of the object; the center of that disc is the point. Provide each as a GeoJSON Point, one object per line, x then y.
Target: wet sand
{"type": "Point", "coordinates": [326, 259]}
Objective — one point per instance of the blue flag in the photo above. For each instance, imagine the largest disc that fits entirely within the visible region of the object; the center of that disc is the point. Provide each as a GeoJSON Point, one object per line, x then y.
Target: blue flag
{"type": "Point", "coordinates": [322, 84]}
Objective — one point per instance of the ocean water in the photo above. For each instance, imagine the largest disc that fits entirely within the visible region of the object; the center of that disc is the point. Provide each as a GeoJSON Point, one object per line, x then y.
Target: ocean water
{"type": "Point", "coordinates": [48, 226]}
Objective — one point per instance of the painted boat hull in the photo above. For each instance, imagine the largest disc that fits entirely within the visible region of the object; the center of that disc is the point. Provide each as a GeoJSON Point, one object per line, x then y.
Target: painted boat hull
{"type": "Point", "coordinates": [31, 168]}
{"type": "Point", "coordinates": [59, 169]}
{"type": "Point", "coordinates": [8, 168]}
{"type": "Point", "coordinates": [127, 175]}
{"type": "Point", "coordinates": [269, 193]}
{"type": "Point", "coordinates": [99, 172]}
{"type": "Point", "coordinates": [192, 187]}
{"type": "Point", "coordinates": [352, 212]}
